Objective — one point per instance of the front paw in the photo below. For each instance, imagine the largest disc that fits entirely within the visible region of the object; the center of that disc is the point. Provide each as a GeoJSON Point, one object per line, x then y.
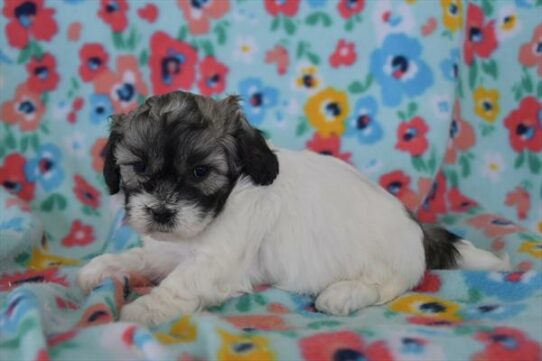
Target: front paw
{"type": "Point", "coordinates": [98, 269]}
{"type": "Point", "coordinates": [156, 308]}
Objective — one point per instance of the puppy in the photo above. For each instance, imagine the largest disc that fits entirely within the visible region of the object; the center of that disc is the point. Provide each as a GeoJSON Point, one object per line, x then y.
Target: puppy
{"type": "Point", "coordinates": [220, 211]}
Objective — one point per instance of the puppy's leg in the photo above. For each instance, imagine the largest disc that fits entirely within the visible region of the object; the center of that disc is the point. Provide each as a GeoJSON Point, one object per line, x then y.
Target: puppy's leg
{"type": "Point", "coordinates": [344, 297]}
{"type": "Point", "coordinates": [152, 261]}
{"type": "Point", "coordinates": [191, 286]}
{"type": "Point", "coordinates": [109, 265]}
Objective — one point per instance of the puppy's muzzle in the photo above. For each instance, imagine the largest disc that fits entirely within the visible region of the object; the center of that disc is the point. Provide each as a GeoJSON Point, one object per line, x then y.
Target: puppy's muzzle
{"type": "Point", "coordinates": [161, 215]}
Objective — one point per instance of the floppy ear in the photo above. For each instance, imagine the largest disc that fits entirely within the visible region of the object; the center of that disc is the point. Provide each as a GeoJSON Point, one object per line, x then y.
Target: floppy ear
{"type": "Point", "coordinates": [111, 170]}
{"type": "Point", "coordinates": [257, 160]}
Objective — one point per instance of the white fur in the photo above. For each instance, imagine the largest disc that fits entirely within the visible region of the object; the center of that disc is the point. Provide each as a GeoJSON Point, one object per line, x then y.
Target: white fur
{"type": "Point", "coordinates": [321, 228]}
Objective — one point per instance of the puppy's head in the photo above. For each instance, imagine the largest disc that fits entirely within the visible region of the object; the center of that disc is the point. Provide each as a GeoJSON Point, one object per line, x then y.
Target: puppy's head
{"type": "Point", "coordinates": [176, 159]}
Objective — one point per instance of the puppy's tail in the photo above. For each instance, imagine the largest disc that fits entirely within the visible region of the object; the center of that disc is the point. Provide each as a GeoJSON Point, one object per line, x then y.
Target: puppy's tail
{"type": "Point", "coordinates": [445, 250]}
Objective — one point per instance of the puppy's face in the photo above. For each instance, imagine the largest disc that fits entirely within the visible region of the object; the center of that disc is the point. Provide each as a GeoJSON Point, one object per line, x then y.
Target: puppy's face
{"type": "Point", "coordinates": [176, 159]}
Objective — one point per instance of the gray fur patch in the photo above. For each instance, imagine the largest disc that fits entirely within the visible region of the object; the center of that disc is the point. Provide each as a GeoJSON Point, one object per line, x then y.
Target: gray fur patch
{"type": "Point", "coordinates": [439, 245]}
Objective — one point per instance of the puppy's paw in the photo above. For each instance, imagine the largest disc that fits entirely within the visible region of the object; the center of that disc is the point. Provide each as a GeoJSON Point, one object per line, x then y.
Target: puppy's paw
{"type": "Point", "coordinates": [99, 268]}
{"type": "Point", "coordinates": [345, 297]}
{"type": "Point", "coordinates": [155, 308]}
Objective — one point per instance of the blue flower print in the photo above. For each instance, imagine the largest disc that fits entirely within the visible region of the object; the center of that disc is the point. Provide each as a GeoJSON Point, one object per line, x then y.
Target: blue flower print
{"type": "Point", "coordinates": [21, 303]}
{"type": "Point", "coordinates": [525, 3]}
{"type": "Point", "coordinates": [45, 168]}
{"type": "Point", "coordinates": [15, 224]}
{"type": "Point", "coordinates": [304, 305]}
{"type": "Point", "coordinates": [399, 70]}
{"type": "Point", "coordinates": [492, 311]}
{"type": "Point", "coordinates": [508, 286]}
{"type": "Point", "coordinates": [256, 99]}
{"type": "Point", "coordinates": [364, 122]}
{"type": "Point", "coordinates": [450, 66]}
{"type": "Point", "coordinates": [100, 108]}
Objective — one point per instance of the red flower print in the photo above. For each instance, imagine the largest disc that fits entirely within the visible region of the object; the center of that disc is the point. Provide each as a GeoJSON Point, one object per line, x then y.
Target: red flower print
{"type": "Point", "coordinates": [74, 31]}
{"type": "Point", "coordinates": [505, 343]}
{"type": "Point", "coordinates": [349, 8]}
{"type": "Point", "coordinates": [93, 61]}
{"type": "Point", "coordinates": [113, 13]}
{"type": "Point", "coordinates": [28, 18]}
{"type": "Point", "coordinates": [462, 136]}
{"type": "Point", "coordinates": [277, 308]}
{"type": "Point", "coordinates": [481, 38]}
{"type": "Point", "coordinates": [459, 202]}
{"type": "Point", "coordinates": [80, 235]}
{"type": "Point", "coordinates": [149, 12]}
{"type": "Point", "coordinates": [279, 56]}
{"type": "Point", "coordinates": [258, 322]}
{"type": "Point", "coordinates": [430, 283]}
{"type": "Point", "coordinates": [86, 193]}
{"type": "Point", "coordinates": [20, 203]}
{"type": "Point", "coordinates": [285, 7]}
{"type": "Point", "coordinates": [342, 345]}
{"type": "Point", "coordinates": [9, 281]}
{"type": "Point", "coordinates": [98, 154]}
{"type": "Point", "coordinates": [344, 54]}
{"type": "Point", "coordinates": [398, 184]}
{"type": "Point", "coordinates": [530, 54]}
{"type": "Point", "coordinates": [172, 63]}
{"type": "Point", "coordinates": [124, 85]}
{"type": "Point", "coordinates": [521, 199]}
{"type": "Point", "coordinates": [25, 110]}
{"type": "Point", "coordinates": [128, 335]}
{"type": "Point", "coordinates": [13, 179]}
{"type": "Point", "coordinates": [212, 76]}
{"type": "Point", "coordinates": [525, 125]}
{"type": "Point", "coordinates": [59, 338]}
{"type": "Point", "coordinates": [43, 355]}
{"type": "Point", "coordinates": [198, 13]}
{"type": "Point", "coordinates": [494, 226]}
{"type": "Point", "coordinates": [411, 137]}
{"type": "Point", "coordinates": [435, 322]}
{"type": "Point", "coordinates": [98, 314]}
{"type": "Point", "coordinates": [328, 146]}
{"type": "Point", "coordinates": [435, 202]}
{"type": "Point", "coordinates": [42, 75]}
{"type": "Point", "coordinates": [65, 304]}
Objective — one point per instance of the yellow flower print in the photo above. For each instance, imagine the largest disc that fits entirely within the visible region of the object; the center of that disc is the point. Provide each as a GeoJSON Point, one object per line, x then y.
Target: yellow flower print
{"type": "Point", "coordinates": [507, 23]}
{"type": "Point", "coordinates": [327, 111]}
{"type": "Point", "coordinates": [182, 330]}
{"type": "Point", "coordinates": [42, 259]}
{"type": "Point", "coordinates": [244, 347]}
{"type": "Point", "coordinates": [425, 305]}
{"type": "Point", "coordinates": [532, 247]}
{"type": "Point", "coordinates": [486, 103]}
{"type": "Point", "coordinates": [308, 78]}
{"type": "Point", "coordinates": [452, 14]}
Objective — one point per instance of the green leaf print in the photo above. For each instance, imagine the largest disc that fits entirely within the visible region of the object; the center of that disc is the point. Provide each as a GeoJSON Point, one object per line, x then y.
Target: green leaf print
{"type": "Point", "coordinates": [534, 162]}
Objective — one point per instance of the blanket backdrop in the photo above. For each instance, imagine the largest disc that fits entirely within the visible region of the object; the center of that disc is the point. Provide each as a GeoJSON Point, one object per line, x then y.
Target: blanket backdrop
{"type": "Point", "coordinates": [438, 101]}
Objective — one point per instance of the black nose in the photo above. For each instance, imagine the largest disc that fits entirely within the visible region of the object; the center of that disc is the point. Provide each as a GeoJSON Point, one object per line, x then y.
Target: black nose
{"type": "Point", "coordinates": [161, 215]}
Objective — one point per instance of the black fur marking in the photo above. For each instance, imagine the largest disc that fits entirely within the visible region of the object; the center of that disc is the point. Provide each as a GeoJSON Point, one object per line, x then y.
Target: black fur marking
{"type": "Point", "coordinates": [111, 170]}
{"type": "Point", "coordinates": [439, 245]}
{"type": "Point", "coordinates": [174, 133]}
{"type": "Point", "coordinates": [259, 162]}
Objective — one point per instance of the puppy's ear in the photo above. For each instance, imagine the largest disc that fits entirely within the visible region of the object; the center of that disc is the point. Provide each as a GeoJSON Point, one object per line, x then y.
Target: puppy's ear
{"type": "Point", "coordinates": [111, 169]}
{"type": "Point", "coordinates": [257, 160]}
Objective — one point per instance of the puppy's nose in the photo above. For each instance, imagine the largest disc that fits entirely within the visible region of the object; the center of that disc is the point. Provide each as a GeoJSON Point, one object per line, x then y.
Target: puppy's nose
{"type": "Point", "coordinates": [161, 215]}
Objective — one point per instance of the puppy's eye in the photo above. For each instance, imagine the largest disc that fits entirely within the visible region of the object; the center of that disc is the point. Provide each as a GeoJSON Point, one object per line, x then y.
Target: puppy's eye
{"type": "Point", "coordinates": [140, 168]}
{"type": "Point", "coordinates": [200, 171]}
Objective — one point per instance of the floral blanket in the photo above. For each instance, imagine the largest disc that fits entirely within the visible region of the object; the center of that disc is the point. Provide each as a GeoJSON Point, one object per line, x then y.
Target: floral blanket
{"type": "Point", "coordinates": [437, 101]}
